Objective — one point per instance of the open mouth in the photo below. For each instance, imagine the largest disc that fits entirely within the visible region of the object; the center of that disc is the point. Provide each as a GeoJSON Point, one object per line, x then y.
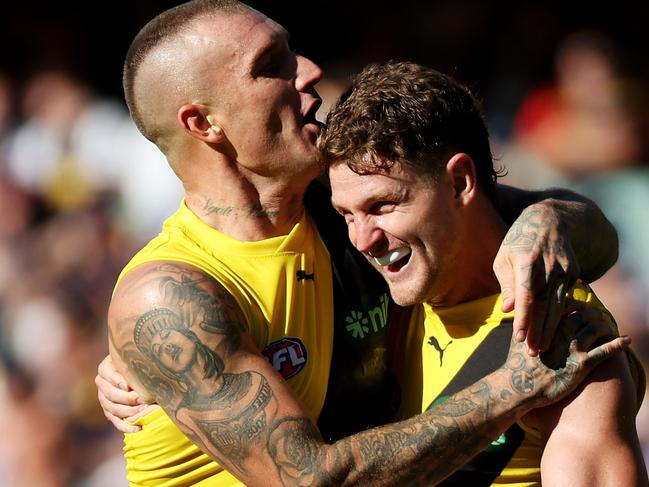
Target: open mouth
{"type": "Point", "coordinates": [395, 259]}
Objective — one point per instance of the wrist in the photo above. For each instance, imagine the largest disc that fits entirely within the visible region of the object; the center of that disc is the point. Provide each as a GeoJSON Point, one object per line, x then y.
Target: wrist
{"type": "Point", "coordinates": [516, 395]}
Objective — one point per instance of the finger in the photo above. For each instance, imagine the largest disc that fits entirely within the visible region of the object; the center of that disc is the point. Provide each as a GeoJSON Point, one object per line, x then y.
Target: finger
{"type": "Point", "coordinates": [508, 301]}
{"type": "Point", "coordinates": [524, 304]}
{"type": "Point", "coordinates": [548, 297]}
{"type": "Point", "coordinates": [113, 394]}
{"type": "Point", "coordinates": [121, 411]}
{"type": "Point", "coordinates": [522, 318]}
{"type": "Point", "coordinates": [530, 297]}
{"type": "Point", "coordinates": [552, 313]}
{"type": "Point", "coordinates": [143, 411]}
{"type": "Point", "coordinates": [505, 276]}
{"type": "Point", "coordinates": [530, 315]}
{"type": "Point", "coordinates": [122, 425]}
{"type": "Point", "coordinates": [538, 311]}
{"type": "Point", "coordinates": [108, 372]}
{"type": "Point", "coordinates": [605, 351]}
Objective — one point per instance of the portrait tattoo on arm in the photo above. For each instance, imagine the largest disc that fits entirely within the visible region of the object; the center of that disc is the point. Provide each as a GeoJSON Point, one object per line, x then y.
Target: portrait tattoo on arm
{"type": "Point", "coordinates": [214, 312]}
{"type": "Point", "coordinates": [178, 352]}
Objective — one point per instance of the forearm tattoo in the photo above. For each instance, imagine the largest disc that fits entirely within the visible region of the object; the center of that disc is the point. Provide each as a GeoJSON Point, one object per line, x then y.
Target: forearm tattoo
{"type": "Point", "coordinates": [298, 457]}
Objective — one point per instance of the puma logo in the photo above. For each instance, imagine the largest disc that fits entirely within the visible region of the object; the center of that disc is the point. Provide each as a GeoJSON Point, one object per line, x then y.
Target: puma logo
{"type": "Point", "coordinates": [435, 344]}
{"type": "Point", "coordinates": [302, 275]}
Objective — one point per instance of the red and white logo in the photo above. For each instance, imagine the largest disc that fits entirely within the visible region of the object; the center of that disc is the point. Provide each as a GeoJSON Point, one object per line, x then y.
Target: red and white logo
{"type": "Point", "coordinates": [287, 356]}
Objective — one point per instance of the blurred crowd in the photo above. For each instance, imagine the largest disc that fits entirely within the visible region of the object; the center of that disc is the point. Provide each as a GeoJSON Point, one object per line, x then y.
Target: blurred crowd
{"type": "Point", "coordinates": [588, 130]}
{"type": "Point", "coordinates": [81, 190]}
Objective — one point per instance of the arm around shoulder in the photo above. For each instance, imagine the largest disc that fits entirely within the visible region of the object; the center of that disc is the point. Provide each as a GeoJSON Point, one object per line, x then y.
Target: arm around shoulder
{"type": "Point", "coordinates": [578, 217]}
{"type": "Point", "coordinates": [181, 340]}
{"type": "Point", "coordinates": [558, 236]}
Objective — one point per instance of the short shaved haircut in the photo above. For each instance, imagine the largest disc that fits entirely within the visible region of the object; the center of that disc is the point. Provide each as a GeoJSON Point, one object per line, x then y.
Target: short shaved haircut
{"type": "Point", "coordinates": [159, 30]}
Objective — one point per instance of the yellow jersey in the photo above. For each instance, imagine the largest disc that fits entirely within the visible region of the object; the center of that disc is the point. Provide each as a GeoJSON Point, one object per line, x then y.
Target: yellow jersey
{"type": "Point", "coordinates": [283, 285]}
{"type": "Point", "coordinates": [453, 348]}
{"type": "Point", "coordinates": [331, 354]}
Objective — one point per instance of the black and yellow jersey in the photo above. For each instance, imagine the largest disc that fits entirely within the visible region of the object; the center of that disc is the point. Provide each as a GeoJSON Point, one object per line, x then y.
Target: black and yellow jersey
{"type": "Point", "coordinates": [331, 355]}
{"type": "Point", "coordinates": [455, 347]}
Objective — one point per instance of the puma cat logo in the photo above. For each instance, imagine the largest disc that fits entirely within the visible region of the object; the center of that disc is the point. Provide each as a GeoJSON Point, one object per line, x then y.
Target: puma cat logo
{"type": "Point", "coordinates": [435, 344]}
{"type": "Point", "coordinates": [302, 275]}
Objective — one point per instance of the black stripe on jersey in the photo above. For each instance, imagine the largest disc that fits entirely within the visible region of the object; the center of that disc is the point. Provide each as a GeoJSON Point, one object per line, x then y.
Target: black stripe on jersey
{"type": "Point", "coordinates": [362, 392]}
{"type": "Point", "coordinates": [483, 469]}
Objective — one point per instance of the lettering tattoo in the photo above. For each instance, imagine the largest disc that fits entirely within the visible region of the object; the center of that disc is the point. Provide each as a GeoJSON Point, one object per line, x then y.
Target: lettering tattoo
{"type": "Point", "coordinates": [259, 211]}
{"type": "Point", "coordinates": [210, 208]}
{"type": "Point", "coordinates": [256, 211]}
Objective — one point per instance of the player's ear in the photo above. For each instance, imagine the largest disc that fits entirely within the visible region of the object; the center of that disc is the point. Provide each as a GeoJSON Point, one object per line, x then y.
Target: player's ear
{"type": "Point", "coordinates": [460, 171]}
{"type": "Point", "coordinates": [198, 122]}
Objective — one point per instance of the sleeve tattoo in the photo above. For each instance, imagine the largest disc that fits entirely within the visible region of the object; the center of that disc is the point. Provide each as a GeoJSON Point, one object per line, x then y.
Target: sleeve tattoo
{"type": "Point", "coordinates": [186, 351]}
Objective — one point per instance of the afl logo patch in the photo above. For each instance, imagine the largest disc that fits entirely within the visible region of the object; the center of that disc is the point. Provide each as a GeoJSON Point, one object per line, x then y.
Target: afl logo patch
{"type": "Point", "coordinates": [287, 356]}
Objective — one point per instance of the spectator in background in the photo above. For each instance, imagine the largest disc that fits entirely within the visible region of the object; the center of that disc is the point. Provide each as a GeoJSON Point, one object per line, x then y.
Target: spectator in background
{"type": "Point", "coordinates": [588, 131]}
{"type": "Point", "coordinates": [52, 309]}
{"type": "Point", "coordinates": [70, 220]}
{"type": "Point", "coordinates": [591, 120]}
{"type": "Point", "coordinates": [88, 150]}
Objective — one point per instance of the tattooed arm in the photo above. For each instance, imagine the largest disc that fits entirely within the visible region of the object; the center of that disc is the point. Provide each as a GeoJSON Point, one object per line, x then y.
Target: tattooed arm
{"type": "Point", "coordinates": [559, 236]}
{"type": "Point", "coordinates": [546, 248]}
{"type": "Point", "coordinates": [181, 340]}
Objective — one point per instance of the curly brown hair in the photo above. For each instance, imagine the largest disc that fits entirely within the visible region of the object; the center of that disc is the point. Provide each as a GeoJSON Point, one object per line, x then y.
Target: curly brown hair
{"type": "Point", "coordinates": [408, 114]}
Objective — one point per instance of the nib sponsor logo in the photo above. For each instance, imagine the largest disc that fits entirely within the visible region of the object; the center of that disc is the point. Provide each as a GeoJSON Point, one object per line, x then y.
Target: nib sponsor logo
{"type": "Point", "coordinates": [365, 321]}
{"type": "Point", "coordinates": [287, 356]}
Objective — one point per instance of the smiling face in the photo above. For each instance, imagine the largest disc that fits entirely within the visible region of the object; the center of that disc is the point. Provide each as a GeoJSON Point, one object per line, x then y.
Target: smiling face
{"type": "Point", "coordinates": [259, 91]}
{"type": "Point", "coordinates": [408, 227]}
